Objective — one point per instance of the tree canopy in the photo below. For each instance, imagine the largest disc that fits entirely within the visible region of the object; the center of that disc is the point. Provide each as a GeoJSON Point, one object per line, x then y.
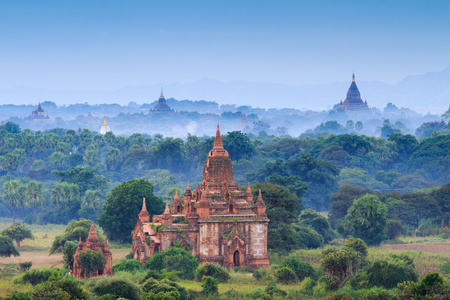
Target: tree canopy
{"type": "Point", "coordinates": [123, 205]}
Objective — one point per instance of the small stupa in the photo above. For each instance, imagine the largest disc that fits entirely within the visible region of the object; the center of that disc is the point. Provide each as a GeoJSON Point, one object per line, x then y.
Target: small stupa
{"type": "Point", "coordinates": [105, 127]}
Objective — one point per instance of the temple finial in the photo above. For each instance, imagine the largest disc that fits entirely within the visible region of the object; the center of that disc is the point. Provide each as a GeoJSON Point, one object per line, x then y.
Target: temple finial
{"type": "Point", "coordinates": [144, 207]}
{"type": "Point", "coordinates": [218, 140]}
{"type": "Point", "coordinates": [189, 186]}
{"type": "Point", "coordinates": [176, 197]}
{"type": "Point", "coordinates": [353, 77]}
{"type": "Point", "coordinates": [162, 95]}
{"type": "Point", "coordinates": [260, 196]}
{"type": "Point", "coordinates": [104, 121]}
{"type": "Point", "coordinates": [167, 207]}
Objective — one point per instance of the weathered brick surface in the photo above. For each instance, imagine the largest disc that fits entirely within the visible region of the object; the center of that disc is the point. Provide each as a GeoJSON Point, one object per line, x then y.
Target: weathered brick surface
{"type": "Point", "coordinates": [217, 222]}
{"type": "Point", "coordinates": [93, 243]}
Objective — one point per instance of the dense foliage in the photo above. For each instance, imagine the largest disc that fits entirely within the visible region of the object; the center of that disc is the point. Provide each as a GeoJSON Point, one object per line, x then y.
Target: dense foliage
{"type": "Point", "coordinates": [123, 205]}
{"type": "Point", "coordinates": [174, 259]}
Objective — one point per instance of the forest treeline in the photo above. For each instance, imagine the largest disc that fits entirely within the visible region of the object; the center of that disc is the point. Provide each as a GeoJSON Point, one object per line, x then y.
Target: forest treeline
{"type": "Point", "coordinates": [46, 170]}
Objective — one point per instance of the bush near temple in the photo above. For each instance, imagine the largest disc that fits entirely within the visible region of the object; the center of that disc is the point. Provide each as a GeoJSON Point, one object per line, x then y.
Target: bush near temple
{"type": "Point", "coordinates": [213, 270]}
{"type": "Point", "coordinates": [174, 259]}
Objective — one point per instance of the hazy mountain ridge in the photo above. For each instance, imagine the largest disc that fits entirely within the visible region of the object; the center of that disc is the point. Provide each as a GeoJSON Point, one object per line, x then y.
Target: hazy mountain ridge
{"type": "Point", "coordinates": [429, 92]}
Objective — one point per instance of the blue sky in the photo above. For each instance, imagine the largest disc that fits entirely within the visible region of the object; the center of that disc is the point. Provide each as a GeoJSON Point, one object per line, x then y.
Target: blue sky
{"type": "Point", "coordinates": [110, 44]}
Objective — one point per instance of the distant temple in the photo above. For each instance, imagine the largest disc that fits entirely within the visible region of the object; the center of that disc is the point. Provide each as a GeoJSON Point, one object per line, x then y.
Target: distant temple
{"type": "Point", "coordinates": [353, 102]}
{"type": "Point", "coordinates": [93, 243]}
{"type": "Point", "coordinates": [162, 105]}
{"type": "Point", "coordinates": [38, 116]}
{"type": "Point", "coordinates": [105, 127]}
{"type": "Point", "coordinates": [217, 222]}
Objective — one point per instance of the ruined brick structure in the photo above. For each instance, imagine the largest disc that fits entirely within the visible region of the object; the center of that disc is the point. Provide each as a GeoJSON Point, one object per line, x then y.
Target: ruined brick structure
{"type": "Point", "coordinates": [217, 222]}
{"type": "Point", "coordinates": [93, 243]}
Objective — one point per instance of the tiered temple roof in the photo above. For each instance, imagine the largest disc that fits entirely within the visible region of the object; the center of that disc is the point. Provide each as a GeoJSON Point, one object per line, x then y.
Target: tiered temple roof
{"type": "Point", "coordinates": [162, 105]}
{"type": "Point", "coordinates": [217, 221]}
{"type": "Point", "coordinates": [353, 102]}
{"type": "Point", "coordinates": [93, 243]}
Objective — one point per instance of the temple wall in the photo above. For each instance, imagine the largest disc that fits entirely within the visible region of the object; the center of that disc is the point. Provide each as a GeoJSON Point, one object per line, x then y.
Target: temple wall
{"type": "Point", "coordinates": [209, 239]}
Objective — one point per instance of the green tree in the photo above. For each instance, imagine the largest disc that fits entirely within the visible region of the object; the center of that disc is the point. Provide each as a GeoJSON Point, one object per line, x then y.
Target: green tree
{"type": "Point", "coordinates": [11, 195]}
{"type": "Point", "coordinates": [366, 219]}
{"type": "Point", "coordinates": [123, 205]}
{"type": "Point", "coordinates": [18, 232]}
{"type": "Point", "coordinates": [7, 247]}
{"type": "Point", "coordinates": [319, 223]}
{"type": "Point", "coordinates": [74, 230]}
{"type": "Point", "coordinates": [113, 158]}
{"type": "Point", "coordinates": [442, 197]}
{"type": "Point", "coordinates": [63, 192]}
{"type": "Point", "coordinates": [85, 177]}
{"type": "Point", "coordinates": [238, 145]}
{"type": "Point", "coordinates": [68, 252]}
{"type": "Point", "coordinates": [34, 195]}
{"type": "Point", "coordinates": [58, 160]}
{"type": "Point", "coordinates": [340, 265]}
{"type": "Point", "coordinates": [92, 198]}
{"type": "Point", "coordinates": [342, 200]}
{"type": "Point", "coordinates": [91, 261]}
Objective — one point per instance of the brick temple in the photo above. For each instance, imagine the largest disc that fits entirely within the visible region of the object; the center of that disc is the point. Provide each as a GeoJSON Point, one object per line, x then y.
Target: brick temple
{"type": "Point", "coordinates": [216, 222]}
{"type": "Point", "coordinates": [353, 102]}
{"type": "Point", "coordinates": [161, 106]}
{"type": "Point", "coordinates": [93, 243]}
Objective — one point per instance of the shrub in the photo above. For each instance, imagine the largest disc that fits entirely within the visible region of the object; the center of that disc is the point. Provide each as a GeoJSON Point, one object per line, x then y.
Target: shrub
{"type": "Point", "coordinates": [381, 295]}
{"type": "Point", "coordinates": [130, 255]}
{"type": "Point", "coordinates": [285, 275]}
{"type": "Point", "coordinates": [357, 245]}
{"type": "Point", "coordinates": [17, 296]}
{"type": "Point", "coordinates": [91, 261]}
{"type": "Point", "coordinates": [210, 285]}
{"type": "Point", "coordinates": [265, 274]}
{"type": "Point", "coordinates": [308, 286]}
{"type": "Point", "coordinates": [174, 259]}
{"type": "Point", "coordinates": [274, 291]}
{"type": "Point", "coordinates": [300, 268]}
{"type": "Point", "coordinates": [48, 290]}
{"type": "Point", "coordinates": [213, 270]}
{"type": "Point", "coordinates": [72, 287]}
{"type": "Point", "coordinates": [25, 266]}
{"type": "Point", "coordinates": [432, 286]}
{"type": "Point", "coordinates": [174, 295]}
{"type": "Point", "coordinates": [128, 265]}
{"type": "Point", "coordinates": [117, 286]}
{"type": "Point", "coordinates": [394, 228]}
{"type": "Point", "coordinates": [388, 273]}
{"type": "Point", "coordinates": [38, 276]}
{"type": "Point", "coordinates": [153, 288]}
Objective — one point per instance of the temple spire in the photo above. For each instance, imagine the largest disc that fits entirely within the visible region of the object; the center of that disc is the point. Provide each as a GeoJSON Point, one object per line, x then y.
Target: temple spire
{"type": "Point", "coordinates": [92, 234]}
{"type": "Point", "coordinates": [260, 197]}
{"type": "Point", "coordinates": [177, 197]}
{"type": "Point", "coordinates": [162, 94]}
{"type": "Point", "coordinates": [353, 77]}
{"type": "Point", "coordinates": [104, 121]}
{"type": "Point", "coordinates": [144, 207]}
{"type": "Point", "coordinates": [188, 187]}
{"type": "Point", "coordinates": [167, 207]}
{"type": "Point", "coordinates": [218, 141]}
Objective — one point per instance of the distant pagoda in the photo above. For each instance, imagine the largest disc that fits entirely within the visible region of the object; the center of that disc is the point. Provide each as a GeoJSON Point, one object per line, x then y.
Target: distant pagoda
{"type": "Point", "coordinates": [353, 102]}
{"type": "Point", "coordinates": [162, 106]}
{"type": "Point", "coordinates": [38, 115]}
{"type": "Point", "coordinates": [105, 127]}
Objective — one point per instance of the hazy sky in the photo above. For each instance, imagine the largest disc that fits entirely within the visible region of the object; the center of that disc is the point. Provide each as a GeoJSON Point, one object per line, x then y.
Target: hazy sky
{"type": "Point", "coordinates": [111, 44]}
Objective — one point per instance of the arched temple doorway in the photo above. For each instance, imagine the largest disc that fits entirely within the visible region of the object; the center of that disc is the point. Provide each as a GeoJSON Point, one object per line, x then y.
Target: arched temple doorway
{"type": "Point", "coordinates": [236, 258]}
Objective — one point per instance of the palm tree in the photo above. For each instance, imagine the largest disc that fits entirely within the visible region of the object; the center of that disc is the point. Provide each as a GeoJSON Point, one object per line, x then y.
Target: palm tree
{"type": "Point", "coordinates": [11, 195]}
{"type": "Point", "coordinates": [34, 195]}
{"type": "Point", "coordinates": [92, 198]}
